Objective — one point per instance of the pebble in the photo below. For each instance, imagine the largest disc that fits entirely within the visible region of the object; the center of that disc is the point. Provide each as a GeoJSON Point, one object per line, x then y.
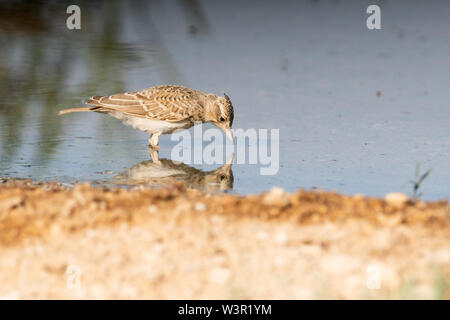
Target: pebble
{"type": "Point", "coordinates": [396, 199]}
{"type": "Point", "coordinates": [200, 206]}
{"type": "Point", "coordinates": [276, 197]}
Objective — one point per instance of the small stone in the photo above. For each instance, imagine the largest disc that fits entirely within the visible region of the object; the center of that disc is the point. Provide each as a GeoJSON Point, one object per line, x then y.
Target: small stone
{"type": "Point", "coordinates": [276, 197]}
{"type": "Point", "coordinates": [396, 199]}
{"type": "Point", "coordinates": [200, 206]}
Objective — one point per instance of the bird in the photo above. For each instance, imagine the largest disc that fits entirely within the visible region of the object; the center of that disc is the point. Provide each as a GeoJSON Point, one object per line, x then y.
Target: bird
{"type": "Point", "coordinates": [163, 109]}
{"type": "Point", "coordinates": [164, 172]}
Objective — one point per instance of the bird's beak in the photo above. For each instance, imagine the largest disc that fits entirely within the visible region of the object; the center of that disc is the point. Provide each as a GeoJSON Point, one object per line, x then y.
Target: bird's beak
{"type": "Point", "coordinates": [230, 160]}
{"type": "Point", "coordinates": [226, 168]}
{"type": "Point", "coordinates": [226, 130]}
{"type": "Point", "coordinates": [229, 134]}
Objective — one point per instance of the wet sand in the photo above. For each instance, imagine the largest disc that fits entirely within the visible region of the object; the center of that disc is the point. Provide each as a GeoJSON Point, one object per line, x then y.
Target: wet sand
{"type": "Point", "coordinates": [170, 243]}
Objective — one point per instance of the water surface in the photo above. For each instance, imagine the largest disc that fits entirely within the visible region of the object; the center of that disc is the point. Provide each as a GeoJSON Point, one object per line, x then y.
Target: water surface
{"type": "Point", "coordinates": [357, 109]}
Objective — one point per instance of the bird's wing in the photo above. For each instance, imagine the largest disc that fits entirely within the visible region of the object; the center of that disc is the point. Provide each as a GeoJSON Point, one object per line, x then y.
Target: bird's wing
{"type": "Point", "coordinates": [167, 103]}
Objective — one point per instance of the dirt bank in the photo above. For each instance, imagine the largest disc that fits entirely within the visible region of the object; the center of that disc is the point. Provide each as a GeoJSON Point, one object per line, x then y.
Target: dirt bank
{"type": "Point", "coordinates": [87, 242]}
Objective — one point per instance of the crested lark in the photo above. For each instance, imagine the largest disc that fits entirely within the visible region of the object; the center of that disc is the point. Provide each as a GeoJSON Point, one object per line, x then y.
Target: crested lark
{"type": "Point", "coordinates": [163, 109]}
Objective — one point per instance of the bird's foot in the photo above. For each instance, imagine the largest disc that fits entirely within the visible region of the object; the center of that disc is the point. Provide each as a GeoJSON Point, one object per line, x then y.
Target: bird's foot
{"type": "Point", "coordinates": [154, 155]}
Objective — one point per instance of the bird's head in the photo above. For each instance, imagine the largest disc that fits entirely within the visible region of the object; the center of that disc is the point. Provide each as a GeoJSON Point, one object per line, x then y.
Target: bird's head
{"type": "Point", "coordinates": [221, 179]}
{"type": "Point", "coordinates": [219, 111]}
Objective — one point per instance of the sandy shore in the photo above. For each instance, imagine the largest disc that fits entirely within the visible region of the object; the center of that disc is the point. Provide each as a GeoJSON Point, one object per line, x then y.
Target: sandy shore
{"type": "Point", "coordinates": [172, 243]}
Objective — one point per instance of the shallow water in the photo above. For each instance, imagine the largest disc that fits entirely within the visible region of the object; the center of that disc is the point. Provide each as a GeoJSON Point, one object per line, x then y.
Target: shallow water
{"type": "Point", "coordinates": [356, 109]}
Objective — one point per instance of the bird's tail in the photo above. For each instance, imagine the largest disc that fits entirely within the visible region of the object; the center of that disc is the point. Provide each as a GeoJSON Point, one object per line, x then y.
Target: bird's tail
{"type": "Point", "coordinates": [84, 109]}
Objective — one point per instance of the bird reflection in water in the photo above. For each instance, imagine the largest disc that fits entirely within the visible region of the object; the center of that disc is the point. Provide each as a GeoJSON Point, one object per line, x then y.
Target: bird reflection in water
{"type": "Point", "coordinates": [164, 172]}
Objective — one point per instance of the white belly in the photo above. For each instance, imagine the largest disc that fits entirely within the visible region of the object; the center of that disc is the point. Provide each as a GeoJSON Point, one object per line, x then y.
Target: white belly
{"type": "Point", "coordinates": [151, 126]}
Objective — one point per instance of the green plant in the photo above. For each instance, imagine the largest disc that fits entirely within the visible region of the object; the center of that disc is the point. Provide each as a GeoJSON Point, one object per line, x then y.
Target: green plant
{"type": "Point", "coordinates": [418, 180]}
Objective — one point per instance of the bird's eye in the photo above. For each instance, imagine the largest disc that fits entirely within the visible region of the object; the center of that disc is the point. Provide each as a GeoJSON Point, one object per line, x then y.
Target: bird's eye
{"type": "Point", "coordinates": [222, 119]}
{"type": "Point", "coordinates": [222, 177]}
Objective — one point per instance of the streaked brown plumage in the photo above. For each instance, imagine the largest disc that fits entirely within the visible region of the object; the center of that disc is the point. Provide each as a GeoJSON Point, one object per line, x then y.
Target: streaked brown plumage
{"type": "Point", "coordinates": [163, 109]}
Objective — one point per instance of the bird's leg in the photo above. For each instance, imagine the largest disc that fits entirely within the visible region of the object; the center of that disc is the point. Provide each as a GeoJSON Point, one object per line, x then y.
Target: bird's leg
{"type": "Point", "coordinates": [153, 140]}
{"type": "Point", "coordinates": [154, 154]}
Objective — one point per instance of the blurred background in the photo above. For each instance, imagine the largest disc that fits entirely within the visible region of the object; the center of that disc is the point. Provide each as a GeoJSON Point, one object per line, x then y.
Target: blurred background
{"type": "Point", "coordinates": [357, 109]}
